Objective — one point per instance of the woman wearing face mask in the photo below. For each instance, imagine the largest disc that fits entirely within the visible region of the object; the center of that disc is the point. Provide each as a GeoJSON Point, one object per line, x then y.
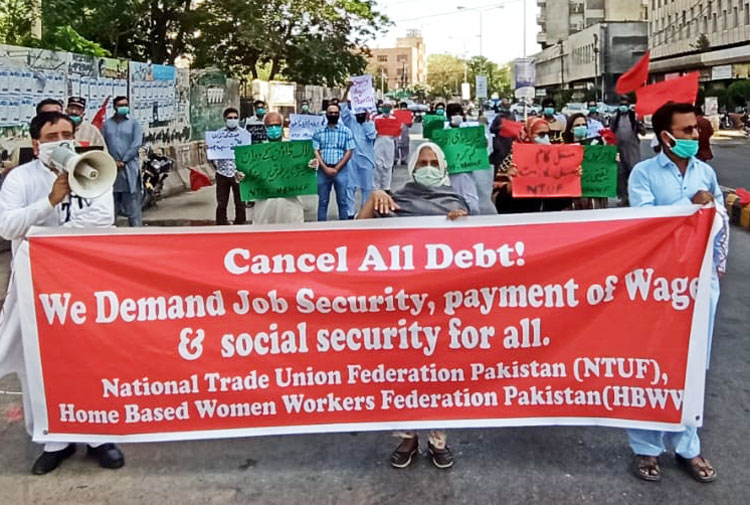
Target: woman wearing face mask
{"type": "Point", "coordinates": [535, 131]}
{"type": "Point", "coordinates": [427, 194]}
{"type": "Point", "coordinates": [576, 133]}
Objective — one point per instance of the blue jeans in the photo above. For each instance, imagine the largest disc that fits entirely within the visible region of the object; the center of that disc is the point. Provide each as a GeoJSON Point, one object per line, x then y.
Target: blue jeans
{"type": "Point", "coordinates": [128, 205]}
{"type": "Point", "coordinates": [340, 183]}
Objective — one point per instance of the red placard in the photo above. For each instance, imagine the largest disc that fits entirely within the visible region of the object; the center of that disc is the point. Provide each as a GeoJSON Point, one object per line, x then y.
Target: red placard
{"type": "Point", "coordinates": [510, 129]}
{"type": "Point", "coordinates": [178, 334]}
{"type": "Point", "coordinates": [388, 126]}
{"type": "Point", "coordinates": [404, 116]}
{"type": "Point", "coordinates": [547, 170]}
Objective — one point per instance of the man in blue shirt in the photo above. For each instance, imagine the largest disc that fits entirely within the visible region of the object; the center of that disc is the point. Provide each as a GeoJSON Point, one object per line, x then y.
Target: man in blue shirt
{"type": "Point", "coordinates": [362, 164]}
{"type": "Point", "coordinates": [124, 137]}
{"type": "Point", "coordinates": [333, 146]}
{"type": "Point", "coordinates": [676, 177]}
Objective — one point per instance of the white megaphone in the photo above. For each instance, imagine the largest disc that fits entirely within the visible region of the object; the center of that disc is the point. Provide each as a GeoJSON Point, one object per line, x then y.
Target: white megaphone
{"type": "Point", "coordinates": [90, 174]}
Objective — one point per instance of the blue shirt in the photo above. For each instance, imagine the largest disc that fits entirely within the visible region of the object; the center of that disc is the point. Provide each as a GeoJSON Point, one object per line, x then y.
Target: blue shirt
{"type": "Point", "coordinates": [593, 127]}
{"type": "Point", "coordinates": [333, 142]}
{"type": "Point", "coordinates": [364, 138]}
{"type": "Point", "coordinates": [658, 181]}
{"type": "Point", "coordinates": [124, 138]}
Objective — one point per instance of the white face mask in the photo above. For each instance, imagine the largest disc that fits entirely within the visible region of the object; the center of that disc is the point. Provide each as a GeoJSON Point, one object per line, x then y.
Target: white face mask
{"type": "Point", "coordinates": [232, 123]}
{"type": "Point", "coordinates": [429, 175]}
{"type": "Point", "coordinates": [456, 120]}
{"type": "Point", "coordinates": [45, 151]}
{"type": "Point", "coordinates": [545, 141]}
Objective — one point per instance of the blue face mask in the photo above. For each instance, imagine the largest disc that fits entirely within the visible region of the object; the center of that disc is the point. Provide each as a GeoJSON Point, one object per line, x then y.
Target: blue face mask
{"type": "Point", "coordinates": [260, 112]}
{"type": "Point", "coordinates": [580, 131]}
{"type": "Point", "coordinates": [123, 111]}
{"type": "Point", "coordinates": [273, 132]}
{"type": "Point", "coordinates": [684, 148]}
{"type": "Point", "coordinates": [549, 111]}
{"type": "Point", "coordinates": [624, 108]}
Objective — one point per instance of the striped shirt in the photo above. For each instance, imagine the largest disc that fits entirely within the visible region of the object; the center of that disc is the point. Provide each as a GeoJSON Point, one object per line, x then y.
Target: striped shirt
{"type": "Point", "coordinates": [333, 142]}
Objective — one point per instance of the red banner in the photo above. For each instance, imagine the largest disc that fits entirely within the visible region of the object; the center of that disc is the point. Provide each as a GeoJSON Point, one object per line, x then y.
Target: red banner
{"type": "Point", "coordinates": [593, 317]}
{"type": "Point", "coordinates": [547, 170]}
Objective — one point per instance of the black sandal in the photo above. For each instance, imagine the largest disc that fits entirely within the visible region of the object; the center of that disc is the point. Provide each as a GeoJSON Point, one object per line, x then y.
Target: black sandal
{"type": "Point", "coordinates": [402, 457]}
{"type": "Point", "coordinates": [647, 468]}
{"type": "Point", "coordinates": [694, 469]}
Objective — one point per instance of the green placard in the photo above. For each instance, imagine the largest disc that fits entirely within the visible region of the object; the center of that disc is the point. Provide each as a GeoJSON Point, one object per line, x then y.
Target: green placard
{"type": "Point", "coordinates": [465, 148]}
{"type": "Point", "coordinates": [430, 123]}
{"type": "Point", "coordinates": [599, 178]}
{"type": "Point", "coordinates": [276, 170]}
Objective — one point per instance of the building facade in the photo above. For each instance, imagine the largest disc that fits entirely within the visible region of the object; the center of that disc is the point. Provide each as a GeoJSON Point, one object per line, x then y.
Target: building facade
{"type": "Point", "coordinates": [561, 18]}
{"type": "Point", "coordinates": [401, 66]}
{"type": "Point", "coordinates": [708, 36]}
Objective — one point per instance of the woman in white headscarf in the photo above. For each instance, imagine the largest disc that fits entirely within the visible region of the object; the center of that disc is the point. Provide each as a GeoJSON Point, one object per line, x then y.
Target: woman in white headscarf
{"type": "Point", "coordinates": [428, 193]}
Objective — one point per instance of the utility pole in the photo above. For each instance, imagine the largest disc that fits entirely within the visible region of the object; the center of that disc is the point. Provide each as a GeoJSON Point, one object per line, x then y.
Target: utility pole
{"type": "Point", "coordinates": [596, 67]}
{"type": "Point", "coordinates": [36, 19]}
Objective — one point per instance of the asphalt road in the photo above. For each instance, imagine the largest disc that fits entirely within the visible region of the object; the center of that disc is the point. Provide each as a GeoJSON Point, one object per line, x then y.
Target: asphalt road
{"type": "Point", "coordinates": [546, 465]}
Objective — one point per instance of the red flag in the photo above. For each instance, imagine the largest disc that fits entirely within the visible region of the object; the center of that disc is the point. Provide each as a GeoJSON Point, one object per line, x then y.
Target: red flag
{"type": "Point", "coordinates": [198, 179]}
{"type": "Point", "coordinates": [510, 129]}
{"type": "Point", "coordinates": [98, 120]}
{"type": "Point", "coordinates": [635, 77]}
{"type": "Point", "coordinates": [681, 90]}
{"type": "Point", "coordinates": [608, 136]}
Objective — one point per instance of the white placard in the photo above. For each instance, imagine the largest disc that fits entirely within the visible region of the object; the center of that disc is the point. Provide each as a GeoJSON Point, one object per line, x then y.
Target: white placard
{"type": "Point", "coordinates": [481, 84]}
{"type": "Point", "coordinates": [362, 94]}
{"type": "Point", "coordinates": [302, 126]}
{"type": "Point", "coordinates": [220, 143]}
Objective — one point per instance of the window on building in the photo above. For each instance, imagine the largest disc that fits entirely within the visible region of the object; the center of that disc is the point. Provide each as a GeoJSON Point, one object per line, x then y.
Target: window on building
{"type": "Point", "coordinates": [724, 20]}
{"type": "Point", "coordinates": [747, 14]}
{"type": "Point", "coordinates": [735, 19]}
{"type": "Point", "coordinates": [383, 58]}
{"type": "Point", "coordinates": [401, 58]}
{"type": "Point", "coordinates": [715, 27]}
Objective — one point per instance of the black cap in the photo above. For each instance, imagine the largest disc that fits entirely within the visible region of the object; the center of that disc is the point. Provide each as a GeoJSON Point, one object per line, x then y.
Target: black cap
{"type": "Point", "coordinates": [77, 100]}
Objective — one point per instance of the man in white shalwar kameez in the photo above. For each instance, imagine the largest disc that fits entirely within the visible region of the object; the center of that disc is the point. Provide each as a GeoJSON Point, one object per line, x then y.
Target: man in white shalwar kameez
{"type": "Point", "coordinates": [36, 194]}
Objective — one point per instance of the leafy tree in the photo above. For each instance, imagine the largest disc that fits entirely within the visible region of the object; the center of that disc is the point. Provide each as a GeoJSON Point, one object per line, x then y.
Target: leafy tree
{"type": "Point", "coordinates": [445, 73]}
{"type": "Point", "coordinates": [15, 22]}
{"type": "Point", "coordinates": [498, 78]}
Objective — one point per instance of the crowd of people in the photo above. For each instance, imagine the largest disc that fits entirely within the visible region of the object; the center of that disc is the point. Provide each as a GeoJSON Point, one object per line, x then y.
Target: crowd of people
{"type": "Point", "coordinates": [349, 157]}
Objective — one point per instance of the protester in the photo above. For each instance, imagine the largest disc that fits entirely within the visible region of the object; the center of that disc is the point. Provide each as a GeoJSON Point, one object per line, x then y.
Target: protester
{"type": "Point", "coordinates": [37, 194]}
{"type": "Point", "coordinates": [227, 177]}
{"type": "Point", "coordinates": [464, 183]}
{"type": "Point", "coordinates": [384, 153]}
{"type": "Point", "coordinates": [379, 106]}
{"type": "Point", "coordinates": [123, 137]}
{"type": "Point", "coordinates": [402, 148]}
{"type": "Point", "coordinates": [362, 163]}
{"type": "Point", "coordinates": [577, 133]}
{"type": "Point", "coordinates": [87, 134]}
{"type": "Point", "coordinates": [535, 131]}
{"type": "Point", "coordinates": [259, 106]}
{"type": "Point", "coordinates": [677, 177]}
{"type": "Point", "coordinates": [706, 131]}
{"type": "Point", "coordinates": [49, 105]}
{"type": "Point", "coordinates": [626, 128]}
{"type": "Point", "coordinates": [501, 146]}
{"type": "Point", "coordinates": [593, 121]}
{"type": "Point", "coordinates": [439, 109]}
{"type": "Point", "coordinates": [557, 122]}
{"type": "Point", "coordinates": [305, 107]}
{"type": "Point", "coordinates": [288, 210]}
{"type": "Point", "coordinates": [333, 145]}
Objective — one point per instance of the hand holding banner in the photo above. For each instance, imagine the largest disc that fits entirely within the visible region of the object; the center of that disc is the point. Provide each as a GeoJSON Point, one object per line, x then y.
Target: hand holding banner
{"type": "Point", "coordinates": [276, 170]}
{"type": "Point", "coordinates": [303, 126]}
{"type": "Point", "coordinates": [362, 94]}
{"type": "Point", "coordinates": [599, 177]}
{"type": "Point", "coordinates": [547, 170]}
{"type": "Point", "coordinates": [220, 144]}
{"type": "Point", "coordinates": [465, 148]}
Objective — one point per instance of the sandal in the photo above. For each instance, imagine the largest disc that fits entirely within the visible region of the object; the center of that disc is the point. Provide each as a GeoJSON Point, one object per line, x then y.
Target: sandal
{"type": "Point", "coordinates": [404, 453]}
{"type": "Point", "coordinates": [694, 468]}
{"type": "Point", "coordinates": [647, 468]}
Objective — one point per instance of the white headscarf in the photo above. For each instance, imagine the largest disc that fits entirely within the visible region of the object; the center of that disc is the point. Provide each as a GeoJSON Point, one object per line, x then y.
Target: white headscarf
{"type": "Point", "coordinates": [440, 157]}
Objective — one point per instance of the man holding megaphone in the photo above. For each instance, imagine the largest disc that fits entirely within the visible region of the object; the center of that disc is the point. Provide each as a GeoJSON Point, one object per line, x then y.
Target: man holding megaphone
{"type": "Point", "coordinates": [39, 193]}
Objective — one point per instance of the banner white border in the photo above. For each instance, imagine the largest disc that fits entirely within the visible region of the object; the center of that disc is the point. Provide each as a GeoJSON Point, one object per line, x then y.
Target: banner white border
{"type": "Point", "coordinates": [692, 414]}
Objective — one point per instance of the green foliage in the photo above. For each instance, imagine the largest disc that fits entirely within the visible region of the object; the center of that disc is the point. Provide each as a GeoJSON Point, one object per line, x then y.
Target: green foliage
{"type": "Point", "coordinates": [15, 22]}
{"type": "Point", "coordinates": [702, 44]}
{"type": "Point", "coordinates": [445, 73]}
{"type": "Point", "coordinates": [65, 38]}
{"type": "Point", "coordinates": [498, 78]}
{"type": "Point", "coordinates": [739, 92]}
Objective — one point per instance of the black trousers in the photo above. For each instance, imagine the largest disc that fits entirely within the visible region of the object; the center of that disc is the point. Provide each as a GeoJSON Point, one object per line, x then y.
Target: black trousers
{"type": "Point", "coordinates": [223, 186]}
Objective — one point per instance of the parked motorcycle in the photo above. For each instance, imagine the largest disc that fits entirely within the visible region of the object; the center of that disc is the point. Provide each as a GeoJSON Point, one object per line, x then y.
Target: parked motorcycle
{"type": "Point", "coordinates": [155, 169]}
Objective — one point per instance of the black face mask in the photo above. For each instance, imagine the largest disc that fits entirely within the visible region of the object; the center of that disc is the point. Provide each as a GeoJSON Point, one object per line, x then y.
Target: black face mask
{"type": "Point", "coordinates": [332, 118]}
{"type": "Point", "coordinates": [361, 118]}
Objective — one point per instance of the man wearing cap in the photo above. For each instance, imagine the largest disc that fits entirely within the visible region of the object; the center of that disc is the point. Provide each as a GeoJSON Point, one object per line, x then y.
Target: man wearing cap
{"type": "Point", "coordinates": [87, 135]}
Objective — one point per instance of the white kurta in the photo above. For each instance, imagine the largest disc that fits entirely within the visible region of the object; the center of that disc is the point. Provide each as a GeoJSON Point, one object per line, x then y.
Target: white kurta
{"type": "Point", "coordinates": [24, 202]}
